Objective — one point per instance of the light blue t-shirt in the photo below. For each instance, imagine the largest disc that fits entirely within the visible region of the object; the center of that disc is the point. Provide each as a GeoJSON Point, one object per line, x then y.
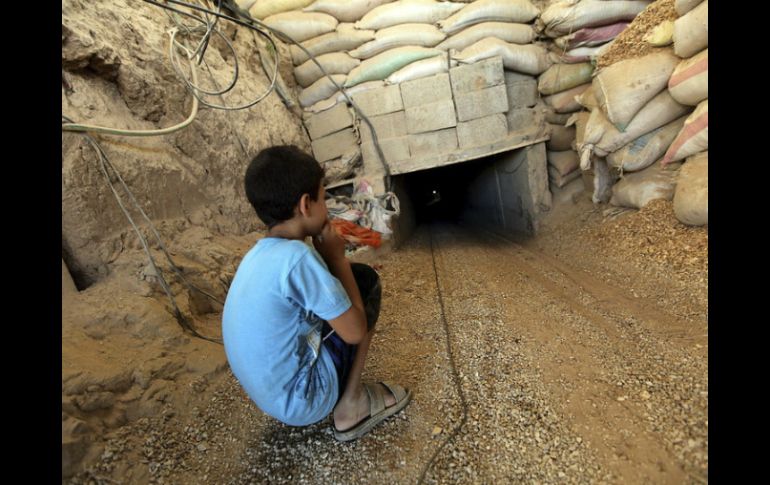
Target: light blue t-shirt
{"type": "Point", "coordinates": [272, 330]}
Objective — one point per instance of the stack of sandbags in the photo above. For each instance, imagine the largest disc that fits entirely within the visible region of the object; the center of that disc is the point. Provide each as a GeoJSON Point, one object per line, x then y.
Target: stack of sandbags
{"type": "Point", "coordinates": [334, 141]}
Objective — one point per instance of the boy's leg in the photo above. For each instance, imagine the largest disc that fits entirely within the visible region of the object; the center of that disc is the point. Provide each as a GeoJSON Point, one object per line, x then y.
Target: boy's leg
{"type": "Point", "coordinates": [353, 405]}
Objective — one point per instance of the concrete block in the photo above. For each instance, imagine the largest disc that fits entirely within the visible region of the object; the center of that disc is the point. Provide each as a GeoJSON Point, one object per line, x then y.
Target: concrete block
{"type": "Point", "coordinates": [431, 117]}
{"type": "Point", "coordinates": [482, 131]}
{"type": "Point", "coordinates": [379, 101]}
{"type": "Point", "coordinates": [394, 149]}
{"type": "Point", "coordinates": [522, 94]}
{"type": "Point", "coordinates": [433, 143]}
{"type": "Point", "coordinates": [329, 121]}
{"type": "Point", "coordinates": [426, 90]}
{"type": "Point", "coordinates": [524, 118]}
{"type": "Point", "coordinates": [479, 75]}
{"type": "Point", "coordinates": [334, 145]}
{"type": "Point", "coordinates": [391, 125]}
{"type": "Point", "coordinates": [478, 104]}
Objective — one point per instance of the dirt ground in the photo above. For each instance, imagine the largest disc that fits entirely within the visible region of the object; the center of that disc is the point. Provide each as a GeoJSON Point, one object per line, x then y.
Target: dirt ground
{"type": "Point", "coordinates": [580, 356]}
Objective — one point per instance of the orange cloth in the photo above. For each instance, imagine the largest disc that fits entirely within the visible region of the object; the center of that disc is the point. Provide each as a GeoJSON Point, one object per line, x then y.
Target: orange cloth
{"type": "Point", "coordinates": [356, 234]}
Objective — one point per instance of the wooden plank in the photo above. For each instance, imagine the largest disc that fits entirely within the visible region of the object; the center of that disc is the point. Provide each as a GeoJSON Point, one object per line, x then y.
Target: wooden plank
{"type": "Point", "coordinates": [514, 140]}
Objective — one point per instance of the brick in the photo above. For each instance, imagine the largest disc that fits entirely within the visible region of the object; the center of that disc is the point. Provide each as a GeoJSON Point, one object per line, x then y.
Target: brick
{"type": "Point", "coordinates": [329, 121]}
{"type": "Point", "coordinates": [479, 75]}
{"type": "Point", "coordinates": [478, 104]}
{"type": "Point", "coordinates": [433, 143]}
{"type": "Point", "coordinates": [379, 101]}
{"type": "Point", "coordinates": [393, 149]}
{"type": "Point", "coordinates": [517, 77]}
{"type": "Point", "coordinates": [524, 118]}
{"type": "Point", "coordinates": [334, 145]}
{"type": "Point", "coordinates": [482, 131]}
{"type": "Point", "coordinates": [522, 94]}
{"type": "Point", "coordinates": [391, 125]}
{"type": "Point", "coordinates": [426, 90]}
{"type": "Point", "coordinates": [431, 117]}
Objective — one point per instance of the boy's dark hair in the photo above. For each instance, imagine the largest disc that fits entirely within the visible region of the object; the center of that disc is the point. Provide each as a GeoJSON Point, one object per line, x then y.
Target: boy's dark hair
{"type": "Point", "coordinates": [276, 179]}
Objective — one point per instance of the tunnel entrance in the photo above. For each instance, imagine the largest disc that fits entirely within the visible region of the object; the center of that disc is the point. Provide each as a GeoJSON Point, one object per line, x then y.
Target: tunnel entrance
{"type": "Point", "coordinates": [507, 192]}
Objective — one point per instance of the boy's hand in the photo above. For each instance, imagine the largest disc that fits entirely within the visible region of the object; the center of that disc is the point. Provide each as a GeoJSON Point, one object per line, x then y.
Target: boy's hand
{"type": "Point", "coordinates": [329, 244]}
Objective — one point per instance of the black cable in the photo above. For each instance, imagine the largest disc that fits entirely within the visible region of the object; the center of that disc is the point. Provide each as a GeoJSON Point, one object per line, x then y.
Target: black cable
{"type": "Point", "coordinates": [463, 402]}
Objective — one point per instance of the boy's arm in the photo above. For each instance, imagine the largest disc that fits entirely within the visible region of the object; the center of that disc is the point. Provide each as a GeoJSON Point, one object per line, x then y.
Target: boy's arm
{"type": "Point", "coordinates": [351, 325]}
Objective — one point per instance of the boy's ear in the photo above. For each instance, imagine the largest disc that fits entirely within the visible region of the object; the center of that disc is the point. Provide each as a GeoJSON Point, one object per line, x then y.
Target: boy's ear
{"type": "Point", "coordinates": [304, 205]}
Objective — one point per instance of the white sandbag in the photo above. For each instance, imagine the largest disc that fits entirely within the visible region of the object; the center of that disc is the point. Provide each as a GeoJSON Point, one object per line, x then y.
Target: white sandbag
{"type": "Point", "coordinates": [691, 199]}
{"type": "Point", "coordinates": [407, 11]}
{"type": "Point", "coordinates": [334, 63]}
{"type": "Point", "coordinates": [561, 77]}
{"type": "Point", "coordinates": [602, 138]}
{"type": "Point", "coordinates": [302, 26]}
{"type": "Point", "coordinates": [561, 138]}
{"type": "Point", "coordinates": [419, 69]}
{"type": "Point", "coordinates": [636, 190]}
{"type": "Point", "coordinates": [422, 35]}
{"type": "Point", "coordinates": [691, 31]}
{"type": "Point", "coordinates": [383, 65]}
{"type": "Point", "coordinates": [527, 59]}
{"type": "Point", "coordinates": [323, 105]}
{"type": "Point", "coordinates": [580, 121]}
{"type": "Point", "coordinates": [580, 54]}
{"type": "Point", "coordinates": [341, 40]}
{"type": "Point", "coordinates": [264, 8]}
{"type": "Point", "coordinates": [513, 33]}
{"type": "Point", "coordinates": [565, 17]}
{"type": "Point", "coordinates": [319, 90]}
{"type": "Point", "coordinates": [684, 6]}
{"type": "Point", "coordinates": [689, 84]}
{"type": "Point", "coordinates": [516, 11]}
{"type": "Point", "coordinates": [564, 161]}
{"type": "Point", "coordinates": [590, 36]}
{"type": "Point", "coordinates": [359, 88]}
{"type": "Point", "coordinates": [345, 10]}
{"type": "Point", "coordinates": [560, 180]}
{"type": "Point", "coordinates": [645, 150]}
{"type": "Point", "coordinates": [564, 102]}
{"type": "Point", "coordinates": [694, 136]}
{"type": "Point", "coordinates": [623, 88]}
{"type": "Point", "coordinates": [245, 4]}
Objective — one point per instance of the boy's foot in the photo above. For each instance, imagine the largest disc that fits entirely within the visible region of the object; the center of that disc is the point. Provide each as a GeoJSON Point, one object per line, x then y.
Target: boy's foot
{"type": "Point", "coordinates": [355, 419]}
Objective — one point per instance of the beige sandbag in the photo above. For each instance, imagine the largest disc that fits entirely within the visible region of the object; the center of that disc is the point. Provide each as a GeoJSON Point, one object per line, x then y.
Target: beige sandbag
{"type": "Point", "coordinates": [245, 4]}
{"type": "Point", "coordinates": [334, 63]}
{"type": "Point", "coordinates": [564, 161]}
{"type": "Point", "coordinates": [691, 199]}
{"type": "Point", "coordinates": [566, 16]}
{"type": "Point", "coordinates": [646, 149]}
{"type": "Point", "coordinates": [345, 10]}
{"type": "Point", "coordinates": [564, 102]}
{"type": "Point", "coordinates": [319, 90]}
{"type": "Point", "coordinates": [561, 77]}
{"type": "Point", "coordinates": [515, 11]}
{"type": "Point", "coordinates": [342, 39]}
{"type": "Point", "coordinates": [423, 35]}
{"type": "Point", "coordinates": [623, 88]}
{"type": "Point", "coordinates": [513, 33]}
{"type": "Point", "coordinates": [551, 116]}
{"type": "Point", "coordinates": [561, 138]}
{"type": "Point", "coordinates": [636, 190]}
{"type": "Point", "coordinates": [579, 54]}
{"type": "Point", "coordinates": [694, 136]}
{"type": "Point", "coordinates": [691, 31]}
{"type": "Point", "coordinates": [419, 69]}
{"type": "Point", "coordinates": [684, 6]}
{"type": "Point", "coordinates": [407, 11]}
{"type": "Point", "coordinates": [588, 99]}
{"type": "Point", "coordinates": [527, 59]}
{"type": "Point", "coordinates": [661, 35]}
{"type": "Point", "coordinates": [689, 84]}
{"type": "Point", "coordinates": [358, 88]}
{"type": "Point", "coordinates": [264, 8]}
{"type": "Point", "coordinates": [383, 65]}
{"type": "Point", "coordinates": [560, 180]}
{"type": "Point", "coordinates": [302, 26]}
{"type": "Point", "coordinates": [602, 138]}
{"type": "Point", "coordinates": [579, 120]}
